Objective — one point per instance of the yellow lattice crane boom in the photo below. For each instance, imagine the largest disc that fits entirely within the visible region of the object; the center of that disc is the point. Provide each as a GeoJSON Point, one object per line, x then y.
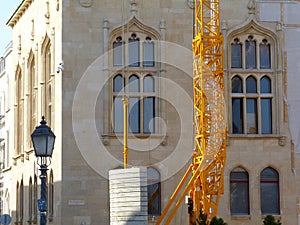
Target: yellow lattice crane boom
{"type": "Point", "coordinates": [203, 180]}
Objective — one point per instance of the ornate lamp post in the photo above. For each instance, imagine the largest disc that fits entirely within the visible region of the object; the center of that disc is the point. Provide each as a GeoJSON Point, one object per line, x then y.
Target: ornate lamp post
{"type": "Point", "coordinates": [43, 143]}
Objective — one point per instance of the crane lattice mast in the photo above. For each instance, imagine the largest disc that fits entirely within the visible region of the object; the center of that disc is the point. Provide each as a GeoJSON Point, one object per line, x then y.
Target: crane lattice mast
{"type": "Point", "coordinates": [203, 180]}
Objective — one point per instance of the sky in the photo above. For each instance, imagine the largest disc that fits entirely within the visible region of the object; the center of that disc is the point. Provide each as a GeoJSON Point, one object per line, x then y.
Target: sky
{"type": "Point", "coordinates": [7, 8]}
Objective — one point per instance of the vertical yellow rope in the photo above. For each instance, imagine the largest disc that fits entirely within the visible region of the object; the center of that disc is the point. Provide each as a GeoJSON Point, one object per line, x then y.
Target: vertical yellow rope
{"type": "Point", "coordinates": [125, 108]}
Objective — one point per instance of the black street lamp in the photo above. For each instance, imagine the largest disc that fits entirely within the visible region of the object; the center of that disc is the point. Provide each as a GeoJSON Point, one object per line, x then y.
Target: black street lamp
{"type": "Point", "coordinates": [43, 143]}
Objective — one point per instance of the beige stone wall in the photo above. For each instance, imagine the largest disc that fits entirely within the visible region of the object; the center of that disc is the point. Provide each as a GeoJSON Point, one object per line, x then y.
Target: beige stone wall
{"type": "Point", "coordinates": [86, 32]}
{"type": "Point", "coordinates": [81, 35]}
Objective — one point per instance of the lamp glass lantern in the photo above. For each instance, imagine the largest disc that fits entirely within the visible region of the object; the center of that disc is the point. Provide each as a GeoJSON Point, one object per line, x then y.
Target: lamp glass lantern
{"type": "Point", "coordinates": [43, 140]}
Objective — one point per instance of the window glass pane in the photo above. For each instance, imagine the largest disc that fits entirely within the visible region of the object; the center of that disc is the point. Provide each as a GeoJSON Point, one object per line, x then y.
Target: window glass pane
{"type": "Point", "coordinates": [118, 83]}
{"type": "Point", "coordinates": [265, 85]}
{"type": "Point", "coordinates": [239, 192]}
{"type": "Point", "coordinates": [237, 85]}
{"type": "Point", "coordinates": [134, 51]}
{"type": "Point", "coordinates": [250, 53]}
{"type": "Point", "coordinates": [264, 55]}
{"type": "Point", "coordinates": [149, 105]}
{"type": "Point", "coordinates": [239, 202]}
{"type": "Point", "coordinates": [266, 116]}
{"type": "Point", "coordinates": [118, 52]}
{"type": "Point", "coordinates": [148, 84]}
{"type": "Point", "coordinates": [236, 54]}
{"type": "Point", "coordinates": [241, 176]}
{"type": "Point", "coordinates": [269, 188]}
{"type": "Point", "coordinates": [237, 115]}
{"type": "Point", "coordinates": [118, 114]}
{"type": "Point", "coordinates": [251, 85]}
{"type": "Point", "coordinates": [134, 115]}
{"type": "Point", "coordinates": [269, 198]}
{"type": "Point", "coordinates": [134, 84]}
{"type": "Point", "coordinates": [154, 193]}
{"type": "Point", "coordinates": [148, 52]}
{"type": "Point", "coordinates": [251, 116]}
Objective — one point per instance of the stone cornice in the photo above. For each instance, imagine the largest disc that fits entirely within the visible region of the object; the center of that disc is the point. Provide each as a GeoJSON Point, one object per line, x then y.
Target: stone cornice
{"type": "Point", "coordinates": [19, 12]}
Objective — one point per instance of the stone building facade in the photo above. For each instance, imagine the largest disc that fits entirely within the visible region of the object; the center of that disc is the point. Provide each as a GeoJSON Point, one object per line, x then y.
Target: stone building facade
{"type": "Point", "coordinates": [5, 126]}
{"type": "Point", "coordinates": [75, 61]}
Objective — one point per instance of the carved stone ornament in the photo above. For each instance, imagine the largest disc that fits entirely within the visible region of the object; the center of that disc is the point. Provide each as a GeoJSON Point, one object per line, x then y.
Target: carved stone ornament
{"type": "Point", "coordinates": [282, 141]}
{"type": "Point", "coordinates": [86, 3]}
{"type": "Point", "coordinates": [191, 3]}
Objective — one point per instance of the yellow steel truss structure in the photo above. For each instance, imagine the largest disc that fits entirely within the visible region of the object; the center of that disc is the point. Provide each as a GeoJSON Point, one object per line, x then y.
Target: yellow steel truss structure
{"type": "Point", "coordinates": [203, 180]}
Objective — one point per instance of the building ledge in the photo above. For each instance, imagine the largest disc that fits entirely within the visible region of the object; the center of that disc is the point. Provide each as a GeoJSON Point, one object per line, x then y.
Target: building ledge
{"type": "Point", "coordinates": [6, 169]}
{"type": "Point", "coordinates": [28, 153]}
{"type": "Point", "coordinates": [281, 138]}
{"type": "Point", "coordinates": [161, 138]}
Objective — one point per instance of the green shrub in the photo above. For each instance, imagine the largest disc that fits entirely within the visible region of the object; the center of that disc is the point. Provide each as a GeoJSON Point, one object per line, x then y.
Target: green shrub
{"type": "Point", "coordinates": [270, 220]}
{"type": "Point", "coordinates": [202, 220]}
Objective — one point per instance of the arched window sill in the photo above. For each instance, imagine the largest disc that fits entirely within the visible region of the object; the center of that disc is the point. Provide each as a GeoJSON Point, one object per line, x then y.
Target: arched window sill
{"type": "Point", "coordinates": [277, 217]}
{"type": "Point", "coordinates": [240, 217]}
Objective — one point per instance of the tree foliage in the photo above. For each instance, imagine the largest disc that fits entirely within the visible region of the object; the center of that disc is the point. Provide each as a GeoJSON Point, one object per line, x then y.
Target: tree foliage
{"type": "Point", "coordinates": [270, 220]}
{"type": "Point", "coordinates": [202, 220]}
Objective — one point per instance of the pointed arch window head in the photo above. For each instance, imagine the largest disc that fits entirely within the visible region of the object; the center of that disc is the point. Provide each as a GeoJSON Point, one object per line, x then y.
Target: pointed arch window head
{"type": "Point", "coordinates": [134, 51]}
{"type": "Point", "coordinates": [118, 52]}
{"type": "Point", "coordinates": [236, 54]}
{"type": "Point", "coordinates": [269, 192]}
{"type": "Point", "coordinates": [265, 85]}
{"type": "Point", "coordinates": [250, 45]}
{"type": "Point", "coordinates": [265, 55]}
{"type": "Point", "coordinates": [148, 52]}
{"type": "Point", "coordinates": [149, 84]}
{"type": "Point", "coordinates": [118, 83]}
{"type": "Point", "coordinates": [236, 85]}
{"type": "Point", "coordinates": [239, 192]}
{"type": "Point", "coordinates": [251, 85]}
{"type": "Point", "coordinates": [134, 83]}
